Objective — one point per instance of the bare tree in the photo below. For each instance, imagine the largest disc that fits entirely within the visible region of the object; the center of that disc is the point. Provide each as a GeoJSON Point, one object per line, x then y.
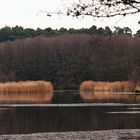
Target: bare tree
{"type": "Point", "coordinates": [100, 8]}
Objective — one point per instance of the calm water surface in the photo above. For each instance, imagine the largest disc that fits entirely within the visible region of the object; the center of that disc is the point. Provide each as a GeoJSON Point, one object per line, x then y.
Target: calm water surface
{"type": "Point", "coordinates": [70, 112]}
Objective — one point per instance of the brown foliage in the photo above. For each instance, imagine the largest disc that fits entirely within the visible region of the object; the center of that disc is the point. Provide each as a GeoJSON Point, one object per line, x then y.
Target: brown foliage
{"type": "Point", "coordinates": [70, 59]}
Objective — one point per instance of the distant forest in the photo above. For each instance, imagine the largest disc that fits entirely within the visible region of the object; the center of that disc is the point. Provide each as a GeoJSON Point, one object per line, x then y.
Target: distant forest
{"type": "Point", "coordinates": [18, 32]}
{"type": "Point", "coordinates": [68, 57]}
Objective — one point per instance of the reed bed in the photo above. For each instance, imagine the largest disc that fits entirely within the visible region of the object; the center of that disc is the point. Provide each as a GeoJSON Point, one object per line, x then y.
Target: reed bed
{"type": "Point", "coordinates": [102, 86]}
{"type": "Point", "coordinates": [109, 92]}
{"type": "Point", "coordinates": [125, 86]}
{"type": "Point", "coordinates": [87, 86]}
{"type": "Point", "coordinates": [26, 92]}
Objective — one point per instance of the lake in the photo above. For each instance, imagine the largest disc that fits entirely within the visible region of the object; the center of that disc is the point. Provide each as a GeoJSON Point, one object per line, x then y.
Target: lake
{"type": "Point", "coordinates": [71, 111]}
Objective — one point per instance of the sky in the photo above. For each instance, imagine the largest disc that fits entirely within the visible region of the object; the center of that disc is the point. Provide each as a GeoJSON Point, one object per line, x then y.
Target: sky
{"type": "Point", "coordinates": [26, 13]}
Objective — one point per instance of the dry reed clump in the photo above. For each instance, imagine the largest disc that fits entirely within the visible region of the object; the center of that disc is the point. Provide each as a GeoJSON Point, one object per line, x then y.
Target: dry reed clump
{"type": "Point", "coordinates": [107, 91]}
{"type": "Point", "coordinates": [117, 86]}
{"type": "Point", "coordinates": [124, 86]}
{"type": "Point", "coordinates": [87, 86]}
{"type": "Point", "coordinates": [102, 86]}
{"type": "Point", "coordinates": [29, 91]}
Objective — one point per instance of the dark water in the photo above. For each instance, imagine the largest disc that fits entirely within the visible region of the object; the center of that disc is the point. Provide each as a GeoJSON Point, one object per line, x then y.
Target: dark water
{"type": "Point", "coordinates": [68, 97]}
{"type": "Point", "coordinates": [68, 117]}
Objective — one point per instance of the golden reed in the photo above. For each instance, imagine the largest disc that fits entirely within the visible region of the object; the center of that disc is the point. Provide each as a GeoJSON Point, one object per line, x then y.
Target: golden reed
{"type": "Point", "coordinates": [107, 91]}
{"type": "Point", "coordinates": [125, 86]}
{"type": "Point", "coordinates": [87, 86]}
{"type": "Point", "coordinates": [26, 92]}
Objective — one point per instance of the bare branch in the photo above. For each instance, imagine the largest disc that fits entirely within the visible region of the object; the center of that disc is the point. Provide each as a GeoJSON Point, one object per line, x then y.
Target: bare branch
{"type": "Point", "coordinates": [100, 8]}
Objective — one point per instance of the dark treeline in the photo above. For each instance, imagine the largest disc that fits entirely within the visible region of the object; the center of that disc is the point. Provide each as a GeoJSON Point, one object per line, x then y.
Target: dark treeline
{"type": "Point", "coordinates": [68, 60]}
{"type": "Point", "coordinates": [18, 32]}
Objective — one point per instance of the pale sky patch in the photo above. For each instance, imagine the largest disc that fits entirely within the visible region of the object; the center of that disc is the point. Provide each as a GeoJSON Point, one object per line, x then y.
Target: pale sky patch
{"type": "Point", "coordinates": [26, 13]}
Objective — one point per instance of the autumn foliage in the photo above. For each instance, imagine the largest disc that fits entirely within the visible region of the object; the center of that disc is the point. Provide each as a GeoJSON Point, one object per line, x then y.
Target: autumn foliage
{"type": "Point", "coordinates": [68, 60]}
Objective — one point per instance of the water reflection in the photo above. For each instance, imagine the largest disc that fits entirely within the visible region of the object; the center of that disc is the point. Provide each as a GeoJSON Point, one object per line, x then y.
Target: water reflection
{"type": "Point", "coordinates": [74, 115]}
{"type": "Point", "coordinates": [69, 97]}
{"type": "Point", "coordinates": [26, 97]}
{"type": "Point", "coordinates": [51, 119]}
{"type": "Point", "coordinates": [66, 97]}
{"type": "Point", "coordinates": [110, 97]}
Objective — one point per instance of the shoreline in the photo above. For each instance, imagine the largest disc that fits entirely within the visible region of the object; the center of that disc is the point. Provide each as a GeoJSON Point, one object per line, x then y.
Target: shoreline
{"type": "Point", "coordinates": [70, 105]}
{"type": "Point", "coordinates": [117, 134]}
